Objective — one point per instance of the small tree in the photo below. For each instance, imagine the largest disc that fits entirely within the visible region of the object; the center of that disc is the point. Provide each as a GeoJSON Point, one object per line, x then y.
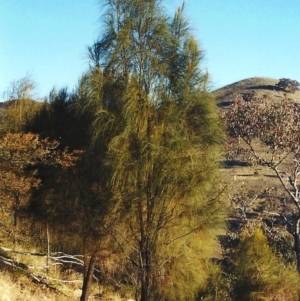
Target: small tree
{"type": "Point", "coordinates": [258, 274]}
{"type": "Point", "coordinates": [155, 137]}
{"type": "Point", "coordinates": [21, 156]}
{"type": "Point", "coordinates": [275, 126]}
{"type": "Point", "coordinates": [55, 119]}
{"type": "Point", "coordinates": [288, 85]}
{"type": "Point", "coordinates": [20, 106]}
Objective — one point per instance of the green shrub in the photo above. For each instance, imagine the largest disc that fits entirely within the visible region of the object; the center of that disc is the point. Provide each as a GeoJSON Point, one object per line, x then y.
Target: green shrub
{"type": "Point", "coordinates": [259, 275]}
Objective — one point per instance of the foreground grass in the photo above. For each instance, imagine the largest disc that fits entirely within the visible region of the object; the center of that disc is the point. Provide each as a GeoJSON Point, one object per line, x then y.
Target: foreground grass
{"type": "Point", "coordinates": [19, 288]}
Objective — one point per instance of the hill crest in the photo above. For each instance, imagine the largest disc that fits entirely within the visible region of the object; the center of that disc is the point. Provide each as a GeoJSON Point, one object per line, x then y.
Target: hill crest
{"type": "Point", "coordinates": [258, 86]}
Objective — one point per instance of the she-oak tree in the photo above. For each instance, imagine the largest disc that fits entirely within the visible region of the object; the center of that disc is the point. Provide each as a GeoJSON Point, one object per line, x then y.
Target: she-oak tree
{"type": "Point", "coordinates": [155, 138]}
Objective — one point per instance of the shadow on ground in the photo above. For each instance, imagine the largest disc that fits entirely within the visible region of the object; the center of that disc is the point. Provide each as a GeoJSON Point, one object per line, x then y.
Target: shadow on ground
{"type": "Point", "coordinates": [264, 87]}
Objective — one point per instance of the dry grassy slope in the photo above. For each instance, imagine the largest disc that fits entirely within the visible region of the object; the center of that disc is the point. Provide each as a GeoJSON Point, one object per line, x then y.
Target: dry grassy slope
{"type": "Point", "coordinates": [259, 85]}
{"type": "Point", "coordinates": [240, 178]}
{"type": "Point", "coordinates": [255, 179]}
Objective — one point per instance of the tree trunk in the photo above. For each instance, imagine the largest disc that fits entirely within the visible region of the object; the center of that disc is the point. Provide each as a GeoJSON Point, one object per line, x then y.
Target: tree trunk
{"type": "Point", "coordinates": [16, 209]}
{"type": "Point", "coordinates": [87, 278]}
{"type": "Point", "coordinates": [144, 288]}
{"type": "Point", "coordinates": [145, 277]}
{"type": "Point", "coordinates": [296, 236]}
{"type": "Point", "coordinates": [48, 247]}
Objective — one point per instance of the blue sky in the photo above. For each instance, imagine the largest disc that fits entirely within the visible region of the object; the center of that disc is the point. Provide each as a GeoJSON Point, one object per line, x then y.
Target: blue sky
{"type": "Point", "coordinates": [47, 39]}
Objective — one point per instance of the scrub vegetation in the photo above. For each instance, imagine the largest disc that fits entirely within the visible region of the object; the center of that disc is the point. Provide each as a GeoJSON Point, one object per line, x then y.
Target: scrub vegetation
{"type": "Point", "coordinates": [119, 190]}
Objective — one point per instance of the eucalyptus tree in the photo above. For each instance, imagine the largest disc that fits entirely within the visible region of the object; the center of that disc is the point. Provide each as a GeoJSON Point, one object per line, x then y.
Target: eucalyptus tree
{"type": "Point", "coordinates": [155, 138]}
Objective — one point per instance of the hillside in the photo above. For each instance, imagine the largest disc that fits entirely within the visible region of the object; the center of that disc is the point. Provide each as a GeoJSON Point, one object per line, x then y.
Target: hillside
{"type": "Point", "coordinates": [253, 190]}
{"type": "Point", "coordinates": [256, 193]}
{"type": "Point", "coordinates": [2, 109]}
{"type": "Point", "coordinates": [239, 172]}
{"type": "Point", "coordinates": [257, 86]}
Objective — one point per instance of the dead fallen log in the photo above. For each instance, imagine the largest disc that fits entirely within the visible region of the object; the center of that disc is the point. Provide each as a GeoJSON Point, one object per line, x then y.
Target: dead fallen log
{"type": "Point", "coordinates": [25, 270]}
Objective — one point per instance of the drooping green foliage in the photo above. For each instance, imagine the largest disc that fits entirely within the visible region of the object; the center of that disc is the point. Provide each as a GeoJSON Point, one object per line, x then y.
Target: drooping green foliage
{"type": "Point", "coordinates": [218, 286]}
{"type": "Point", "coordinates": [147, 188]}
{"type": "Point", "coordinates": [155, 136]}
{"type": "Point", "coordinates": [259, 274]}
